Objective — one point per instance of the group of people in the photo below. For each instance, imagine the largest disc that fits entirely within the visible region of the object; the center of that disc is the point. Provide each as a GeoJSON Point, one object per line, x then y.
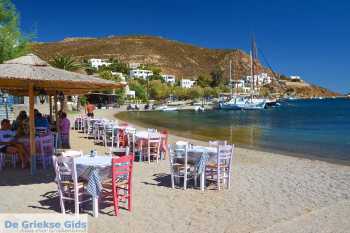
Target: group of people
{"type": "Point", "coordinates": [11, 133]}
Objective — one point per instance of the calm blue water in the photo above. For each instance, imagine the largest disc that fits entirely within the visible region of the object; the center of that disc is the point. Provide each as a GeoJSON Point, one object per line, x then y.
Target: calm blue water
{"type": "Point", "coordinates": [305, 127]}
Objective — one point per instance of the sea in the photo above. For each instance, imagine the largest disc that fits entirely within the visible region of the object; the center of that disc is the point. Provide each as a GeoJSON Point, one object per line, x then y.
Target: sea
{"type": "Point", "coordinates": [317, 128]}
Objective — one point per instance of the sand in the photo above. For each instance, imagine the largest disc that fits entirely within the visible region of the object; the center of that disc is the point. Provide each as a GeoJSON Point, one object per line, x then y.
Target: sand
{"type": "Point", "coordinates": [270, 193]}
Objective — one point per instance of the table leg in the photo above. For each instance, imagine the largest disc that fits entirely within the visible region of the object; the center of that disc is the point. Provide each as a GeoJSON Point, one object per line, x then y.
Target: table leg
{"type": "Point", "coordinates": [95, 206]}
{"type": "Point", "coordinates": [202, 180]}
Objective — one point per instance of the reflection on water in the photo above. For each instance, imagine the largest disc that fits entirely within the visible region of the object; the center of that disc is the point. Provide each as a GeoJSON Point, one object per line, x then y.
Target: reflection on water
{"type": "Point", "coordinates": [315, 127]}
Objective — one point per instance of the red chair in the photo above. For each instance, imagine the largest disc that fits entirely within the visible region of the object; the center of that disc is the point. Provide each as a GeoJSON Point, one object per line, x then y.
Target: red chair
{"type": "Point", "coordinates": [122, 181]}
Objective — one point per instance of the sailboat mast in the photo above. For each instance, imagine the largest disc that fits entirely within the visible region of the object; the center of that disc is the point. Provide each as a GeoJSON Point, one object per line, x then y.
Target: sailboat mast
{"type": "Point", "coordinates": [231, 84]}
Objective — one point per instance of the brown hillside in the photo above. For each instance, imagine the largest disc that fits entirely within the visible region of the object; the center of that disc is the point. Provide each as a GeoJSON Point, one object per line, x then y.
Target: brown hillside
{"type": "Point", "coordinates": [172, 57]}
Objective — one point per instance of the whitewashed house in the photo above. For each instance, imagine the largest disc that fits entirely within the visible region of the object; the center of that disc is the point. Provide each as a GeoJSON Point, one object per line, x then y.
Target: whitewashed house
{"type": "Point", "coordinates": [259, 79]}
{"type": "Point", "coordinates": [187, 83]}
{"type": "Point", "coordinates": [129, 93]}
{"type": "Point", "coordinates": [296, 78]}
{"type": "Point", "coordinates": [97, 62]}
{"type": "Point", "coordinates": [134, 65]}
{"type": "Point", "coordinates": [169, 78]}
{"type": "Point", "coordinates": [138, 73]}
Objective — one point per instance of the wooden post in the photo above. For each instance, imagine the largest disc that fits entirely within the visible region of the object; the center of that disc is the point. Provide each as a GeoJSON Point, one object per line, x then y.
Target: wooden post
{"type": "Point", "coordinates": [50, 104]}
{"type": "Point", "coordinates": [32, 129]}
{"type": "Point", "coordinates": [56, 111]}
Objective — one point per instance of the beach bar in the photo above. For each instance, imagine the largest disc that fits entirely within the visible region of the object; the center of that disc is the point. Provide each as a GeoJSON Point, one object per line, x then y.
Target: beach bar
{"type": "Point", "coordinates": [31, 76]}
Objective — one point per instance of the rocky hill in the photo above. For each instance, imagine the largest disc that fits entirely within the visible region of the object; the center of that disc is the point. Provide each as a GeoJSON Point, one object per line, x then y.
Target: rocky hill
{"type": "Point", "coordinates": [172, 57]}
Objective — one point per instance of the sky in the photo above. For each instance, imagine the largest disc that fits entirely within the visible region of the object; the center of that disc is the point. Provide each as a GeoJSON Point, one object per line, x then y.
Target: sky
{"type": "Point", "coordinates": [309, 38]}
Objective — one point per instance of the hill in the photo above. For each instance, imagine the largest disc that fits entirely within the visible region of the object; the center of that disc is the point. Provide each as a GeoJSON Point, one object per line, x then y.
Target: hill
{"type": "Point", "coordinates": [172, 57]}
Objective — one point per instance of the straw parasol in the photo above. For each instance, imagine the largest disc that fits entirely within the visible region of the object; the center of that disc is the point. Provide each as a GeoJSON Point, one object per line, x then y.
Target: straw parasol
{"type": "Point", "coordinates": [29, 75]}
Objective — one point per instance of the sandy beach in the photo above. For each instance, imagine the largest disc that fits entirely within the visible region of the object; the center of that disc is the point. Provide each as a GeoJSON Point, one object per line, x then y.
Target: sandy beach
{"type": "Point", "coordinates": [270, 193]}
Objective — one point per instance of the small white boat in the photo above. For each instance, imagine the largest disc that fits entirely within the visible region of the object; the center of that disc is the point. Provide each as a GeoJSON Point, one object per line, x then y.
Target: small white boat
{"type": "Point", "coordinates": [168, 109]}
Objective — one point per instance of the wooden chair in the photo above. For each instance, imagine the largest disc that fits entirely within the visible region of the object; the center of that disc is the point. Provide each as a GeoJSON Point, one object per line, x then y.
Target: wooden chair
{"type": "Point", "coordinates": [153, 146]}
{"type": "Point", "coordinates": [68, 187]}
{"type": "Point", "coordinates": [221, 171]}
{"type": "Point", "coordinates": [120, 187]}
{"type": "Point", "coordinates": [179, 166]}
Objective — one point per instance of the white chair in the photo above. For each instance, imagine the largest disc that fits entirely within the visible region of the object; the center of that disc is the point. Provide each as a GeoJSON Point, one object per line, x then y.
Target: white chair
{"type": "Point", "coordinates": [153, 146]}
{"type": "Point", "coordinates": [217, 143]}
{"type": "Point", "coordinates": [72, 153]}
{"type": "Point", "coordinates": [46, 150]}
{"type": "Point", "coordinates": [221, 171]}
{"type": "Point", "coordinates": [111, 136]}
{"type": "Point", "coordinates": [151, 130]}
{"type": "Point", "coordinates": [130, 132]}
{"type": "Point", "coordinates": [69, 189]}
{"type": "Point", "coordinates": [179, 166]}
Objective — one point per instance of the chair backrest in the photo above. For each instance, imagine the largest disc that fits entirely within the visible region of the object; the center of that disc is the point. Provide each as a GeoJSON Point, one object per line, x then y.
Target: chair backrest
{"type": "Point", "coordinates": [41, 131]}
{"type": "Point", "coordinates": [72, 153]}
{"type": "Point", "coordinates": [47, 145]}
{"type": "Point", "coordinates": [217, 143]}
{"type": "Point", "coordinates": [55, 140]}
{"type": "Point", "coordinates": [65, 169]}
{"type": "Point", "coordinates": [224, 155]}
{"type": "Point", "coordinates": [122, 168]}
{"type": "Point", "coordinates": [151, 130]}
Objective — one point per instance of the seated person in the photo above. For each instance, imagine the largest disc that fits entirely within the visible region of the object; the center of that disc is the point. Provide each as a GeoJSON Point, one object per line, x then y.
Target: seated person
{"type": "Point", "coordinates": [8, 142]}
{"type": "Point", "coordinates": [22, 117]}
{"type": "Point", "coordinates": [64, 126]}
{"type": "Point", "coordinates": [40, 121]}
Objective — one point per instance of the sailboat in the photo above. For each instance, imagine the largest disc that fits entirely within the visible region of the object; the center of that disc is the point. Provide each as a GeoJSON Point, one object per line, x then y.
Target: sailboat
{"type": "Point", "coordinates": [235, 101]}
{"type": "Point", "coordinates": [246, 103]}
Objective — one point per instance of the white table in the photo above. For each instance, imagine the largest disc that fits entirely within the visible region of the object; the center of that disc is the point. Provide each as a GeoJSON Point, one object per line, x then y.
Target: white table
{"type": "Point", "coordinates": [194, 154]}
{"type": "Point", "coordinates": [145, 134]}
{"type": "Point", "coordinates": [100, 162]}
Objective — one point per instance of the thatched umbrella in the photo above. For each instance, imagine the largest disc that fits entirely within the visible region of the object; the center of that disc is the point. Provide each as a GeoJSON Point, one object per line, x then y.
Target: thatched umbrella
{"type": "Point", "coordinates": [29, 75]}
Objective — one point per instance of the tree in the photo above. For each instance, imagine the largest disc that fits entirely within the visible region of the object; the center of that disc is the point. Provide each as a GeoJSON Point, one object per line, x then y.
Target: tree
{"type": "Point", "coordinates": [12, 43]}
{"type": "Point", "coordinates": [217, 76]}
{"type": "Point", "coordinates": [196, 92]}
{"type": "Point", "coordinates": [118, 66]}
{"type": "Point", "coordinates": [158, 90]}
{"type": "Point", "coordinates": [140, 90]}
{"type": "Point", "coordinates": [65, 62]}
{"type": "Point", "coordinates": [88, 67]}
{"type": "Point", "coordinates": [204, 80]}
{"type": "Point", "coordinates": [120, 94]}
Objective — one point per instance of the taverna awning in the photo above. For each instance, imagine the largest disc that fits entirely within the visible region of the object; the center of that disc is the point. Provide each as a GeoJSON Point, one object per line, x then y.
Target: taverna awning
{"type": "Point", "coordinates": [29, 75]}
{"type": "Point", "coordinates": [16, 74]}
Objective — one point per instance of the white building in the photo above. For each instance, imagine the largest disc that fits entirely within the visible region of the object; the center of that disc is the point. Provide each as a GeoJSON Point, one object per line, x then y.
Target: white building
{"type": "Point", "coordinates": [134, 65]}
{"type": "Point", "coordinates": [97, 62]}
{"type": "Point", "coordinates": [137, 73]}
{"type": "Point", "coordinates": [187, 83]}
{"type": "Point", "coordinates": [129, 93]}
{"type": "Point", "coordinates": [259, 79]}
{"type": "Point", "coordinates": [296, 78]}
{"type": "Point", "coordinates": [169, 78]}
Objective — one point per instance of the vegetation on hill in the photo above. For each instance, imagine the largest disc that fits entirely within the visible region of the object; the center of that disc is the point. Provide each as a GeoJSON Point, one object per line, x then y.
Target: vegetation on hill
{"type": "Point", "coordinates": [209, 66]}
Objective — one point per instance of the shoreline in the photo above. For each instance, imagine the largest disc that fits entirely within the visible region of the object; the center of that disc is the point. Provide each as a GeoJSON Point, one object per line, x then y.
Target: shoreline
{"type": "Point", "coordinates": [174, 133]}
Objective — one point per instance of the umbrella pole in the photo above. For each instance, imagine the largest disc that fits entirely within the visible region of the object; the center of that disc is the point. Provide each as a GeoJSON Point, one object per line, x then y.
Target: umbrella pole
{"type": "Point", "coordinates": [32, 129]}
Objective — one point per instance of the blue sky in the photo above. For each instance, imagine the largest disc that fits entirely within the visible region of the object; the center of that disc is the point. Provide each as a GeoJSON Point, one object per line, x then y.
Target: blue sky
{"type": "Point", "coordinates": [307, 38]}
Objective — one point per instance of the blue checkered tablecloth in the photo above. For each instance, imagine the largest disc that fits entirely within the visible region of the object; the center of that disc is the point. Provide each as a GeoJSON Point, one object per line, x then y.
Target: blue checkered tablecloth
{"type": "Point", "coordinates": [94, 170]}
